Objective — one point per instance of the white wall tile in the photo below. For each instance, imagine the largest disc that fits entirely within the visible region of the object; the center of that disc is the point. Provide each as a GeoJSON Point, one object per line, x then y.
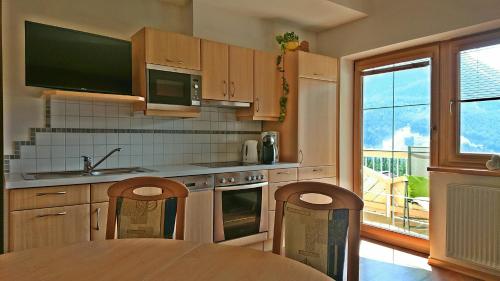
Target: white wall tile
{"type": "Point", "coordinates": [72, 151]}
{"type": "Point", "coordinates": [42, 151]}
{"type": "Point", "coordinates": [58, 164]}
{"type": "Point", "coordinates": [42, 138]}
{"type": "Point", "coordinates": [72, 109]}
{"type": "Point", "coordinates": [58, 151]}
{"type": "Point", "coordinates": [28, 151]}
{"type": "Point", "coordinates": [86, 138]}
{"type": "Point", "coordinates": [99, 138]}
{"type": "Point", "coordinates": [58, 139]}
{"type": "Point", "coordinates": [43, 165]}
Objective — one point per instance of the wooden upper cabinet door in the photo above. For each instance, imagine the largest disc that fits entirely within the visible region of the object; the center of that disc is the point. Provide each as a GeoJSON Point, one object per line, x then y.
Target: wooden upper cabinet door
{"type": "Point", "coordinates": [215, 65]}
{"type": "Point", "coordinates": [317, 123]}
{"type": "Point", "coordinates": [172, 49]}
{"type": "Point", "coordinates": [240, 74]}
{"type": "Point", "coordinates": [316, 66]}
{"type": "Point", "coordinates": [266, 92]}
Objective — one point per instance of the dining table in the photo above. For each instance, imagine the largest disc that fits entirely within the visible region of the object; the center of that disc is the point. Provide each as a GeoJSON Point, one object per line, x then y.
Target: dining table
{"type": "Point", "coordinates": [148, 259]}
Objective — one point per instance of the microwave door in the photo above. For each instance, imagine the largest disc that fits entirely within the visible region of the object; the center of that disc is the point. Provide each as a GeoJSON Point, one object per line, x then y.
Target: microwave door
{"type": "Point", "coordinates": [169, 87]}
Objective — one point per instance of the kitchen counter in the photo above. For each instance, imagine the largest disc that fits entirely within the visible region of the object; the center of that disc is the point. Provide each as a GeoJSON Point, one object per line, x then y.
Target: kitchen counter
{"type": "Point", "coordinates": [17, 181]}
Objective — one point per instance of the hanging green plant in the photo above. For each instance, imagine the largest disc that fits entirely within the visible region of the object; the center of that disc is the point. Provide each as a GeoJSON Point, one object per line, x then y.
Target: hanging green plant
{"type": "Point", "coordinates": [288, 42]}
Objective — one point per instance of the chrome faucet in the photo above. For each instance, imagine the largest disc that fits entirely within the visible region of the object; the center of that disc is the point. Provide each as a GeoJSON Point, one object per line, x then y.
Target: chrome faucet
{"type": "Point", "coordinates": [87, 161]}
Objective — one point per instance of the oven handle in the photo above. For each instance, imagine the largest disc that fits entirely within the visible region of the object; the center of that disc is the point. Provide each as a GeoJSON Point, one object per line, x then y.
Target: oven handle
{"type": "Point", "coordinates": [241, 187]}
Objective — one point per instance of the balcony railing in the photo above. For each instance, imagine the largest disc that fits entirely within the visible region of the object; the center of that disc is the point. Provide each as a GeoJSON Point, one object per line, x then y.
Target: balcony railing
{"type": "Point", "coordinates": [388, 203]}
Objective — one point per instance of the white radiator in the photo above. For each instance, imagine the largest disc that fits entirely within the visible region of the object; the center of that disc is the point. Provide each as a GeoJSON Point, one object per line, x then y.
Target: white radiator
{"type": "Point", "coordinates": [473, 224]}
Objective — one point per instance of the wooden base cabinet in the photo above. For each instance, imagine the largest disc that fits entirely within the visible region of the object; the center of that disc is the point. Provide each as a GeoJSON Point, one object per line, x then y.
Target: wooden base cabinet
{"type": "Point", "coordinates": [199, 217]}
{"type": "Point", "coordinates": [98, 220]}
{"type": "Point", "coordinates": [48, 227]}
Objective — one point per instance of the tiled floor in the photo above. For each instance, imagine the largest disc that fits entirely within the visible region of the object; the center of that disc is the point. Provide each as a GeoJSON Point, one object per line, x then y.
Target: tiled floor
{"type": "Point", "coordinates": [380, 263]}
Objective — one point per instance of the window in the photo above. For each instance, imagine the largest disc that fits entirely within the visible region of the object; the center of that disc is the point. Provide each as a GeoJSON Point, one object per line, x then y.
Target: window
{"type": "Point", "coordinates": [479, 90]}
{"type": "Point", "coordinates": [470, 100]}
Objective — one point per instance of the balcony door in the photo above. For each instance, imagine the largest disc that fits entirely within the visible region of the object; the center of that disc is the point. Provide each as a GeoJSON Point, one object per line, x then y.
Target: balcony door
{"type": "Point", "coordinates": [393, 141]}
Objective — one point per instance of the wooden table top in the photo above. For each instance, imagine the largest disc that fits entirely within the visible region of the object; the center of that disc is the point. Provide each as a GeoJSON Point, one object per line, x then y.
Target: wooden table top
{"type": "Point", "coordinates": [151, 259]}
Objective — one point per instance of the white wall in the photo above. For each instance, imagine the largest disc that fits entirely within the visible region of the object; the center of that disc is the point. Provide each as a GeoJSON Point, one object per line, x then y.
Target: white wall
{"type": "Point", "coordinates": [394, 21]}
{"type": "Point", "coordinates": [23, 107]}
{"type": "Point", "coordinates": [235, 28]}
{"type": "Point", "coordinates": [394, 25]}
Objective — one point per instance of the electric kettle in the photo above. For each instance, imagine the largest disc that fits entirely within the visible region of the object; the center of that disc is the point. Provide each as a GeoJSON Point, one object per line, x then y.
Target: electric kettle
{"type": "Point", "coordinates": [249, 152]}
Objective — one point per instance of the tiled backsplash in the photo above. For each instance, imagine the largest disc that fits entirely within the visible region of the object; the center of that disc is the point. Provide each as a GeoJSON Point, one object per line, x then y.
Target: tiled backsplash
{"type": "Point", "coordinates": [76, 128]}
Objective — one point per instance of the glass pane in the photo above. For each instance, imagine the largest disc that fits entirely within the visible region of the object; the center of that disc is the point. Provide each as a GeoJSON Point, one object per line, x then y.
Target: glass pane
{"type": "Point", "coordinates": [377, 90]}
{"type": "Point", "coordinates": [412, 86]}
{"type": "Point", "coordinates": [411, 127]}
{"type": "Point", "coordinates": [480, 72]}
{"type": "Point", "coordinates": [241, 212]}
{"type": "Point", "coordinates": [396, 140]}
{"type": "Point", "coordinates": [479, 132]}
{"type": "Point", "coordinates": [377, 129]}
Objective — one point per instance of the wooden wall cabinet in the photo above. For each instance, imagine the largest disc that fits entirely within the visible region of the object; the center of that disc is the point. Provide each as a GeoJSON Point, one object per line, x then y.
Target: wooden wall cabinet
{"type": "Point", "coordinates": [165, 49]}
{"type": "Point", "coordinates": [170, 49]}
{"type": "Point", "coordinates": [309, 132]}
{"type": "Point", "coordinates": [227, 72]}
{"type": "Point", "coordinates": [267, 89]}
{"type": "Point", "coordinates": [316, 66]}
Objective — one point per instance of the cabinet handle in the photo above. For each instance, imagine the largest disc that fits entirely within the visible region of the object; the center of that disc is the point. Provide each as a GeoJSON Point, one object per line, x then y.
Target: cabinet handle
{"type": "Point", "coordinates": [301, 156]}
{"type": "Point", "coordinates": [317, 170]}
{"type": "Point", "coordinates": [175, 61]}
{"type": "Point", "coordinates": [52, 215]}
{"type": "Point", "coordinates": [224, 90]}
{"type": "Point", "coordinates": [51, 193]}
{"type": "Point", "coordinates": [98, 215]}
{"type": "Point", "coordinates": [316, 74]}
{"type": "Point", "coordinates": [257, 104]}
{"type": "Point", "coordinates": [233, 87]}
{"type": "Point", "coordinates": [283, 173]}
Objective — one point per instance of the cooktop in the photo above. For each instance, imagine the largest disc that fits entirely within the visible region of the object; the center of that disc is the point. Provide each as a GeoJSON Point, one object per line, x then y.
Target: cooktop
{"type": "Point", "coordinates": [224, 164]}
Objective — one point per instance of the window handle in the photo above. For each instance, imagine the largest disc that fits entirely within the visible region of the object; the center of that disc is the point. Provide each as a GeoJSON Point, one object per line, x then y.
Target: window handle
{"type": "Point", "coordinates": [451, 106]}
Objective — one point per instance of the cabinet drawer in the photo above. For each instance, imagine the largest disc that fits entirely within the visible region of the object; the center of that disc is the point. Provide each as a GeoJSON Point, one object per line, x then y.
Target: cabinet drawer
{"type": "Point", "coordinates": [48, 227]}
{"type": "Point", "coordinates": [43, 197]}
{"type": "Point", "coordinates": [98, 220]}
{"type": "Point", "coordinates": [99, 192]}
{"type": "Point", "coordinates": [307, 173]}
{"type": "Point", "coordinates": [316, 66]}
{"type": "Point", "coordinates": [272, 189]}
{"type": "Point", "coordinates": [280, 175]}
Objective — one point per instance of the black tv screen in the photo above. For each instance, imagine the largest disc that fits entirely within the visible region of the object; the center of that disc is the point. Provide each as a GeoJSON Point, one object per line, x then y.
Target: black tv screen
{"type": "Point", "coordinates": [61, 58]}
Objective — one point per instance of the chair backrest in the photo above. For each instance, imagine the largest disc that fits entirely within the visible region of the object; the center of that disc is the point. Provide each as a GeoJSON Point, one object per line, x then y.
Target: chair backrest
{"type": "Point", "coordinates": [146, 207]}
{"type": "Point", "coordinates": [318, 219]}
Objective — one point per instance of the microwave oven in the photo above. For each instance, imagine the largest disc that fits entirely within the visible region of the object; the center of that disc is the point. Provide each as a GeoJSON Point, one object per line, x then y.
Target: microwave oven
{"type": "Point", "coordinates": [173, 86]}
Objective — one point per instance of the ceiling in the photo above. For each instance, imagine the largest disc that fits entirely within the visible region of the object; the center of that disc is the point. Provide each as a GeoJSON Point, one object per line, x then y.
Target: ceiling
{"type": "Point", "coordinates": [313, 15]}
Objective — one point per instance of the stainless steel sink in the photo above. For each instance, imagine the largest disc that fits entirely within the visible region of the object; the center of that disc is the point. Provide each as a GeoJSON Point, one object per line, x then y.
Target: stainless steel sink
{"type": "Point", "coordinates": [72, 174]}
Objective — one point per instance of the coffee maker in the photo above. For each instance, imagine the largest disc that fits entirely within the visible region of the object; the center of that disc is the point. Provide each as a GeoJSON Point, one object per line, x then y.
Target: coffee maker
{"type": "Point", "coordinates": [269, 147]}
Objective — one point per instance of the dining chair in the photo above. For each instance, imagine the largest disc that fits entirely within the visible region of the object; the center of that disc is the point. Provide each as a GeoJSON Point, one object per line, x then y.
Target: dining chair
{"type": "Point", "coordinates": [316, 219]}
{"type": "Point", "coordinates": [146, 207]}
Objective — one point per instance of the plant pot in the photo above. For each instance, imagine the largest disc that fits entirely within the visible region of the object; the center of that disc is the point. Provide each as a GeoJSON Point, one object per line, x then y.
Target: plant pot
{"type": "Point", "coordinates": [291, 46]}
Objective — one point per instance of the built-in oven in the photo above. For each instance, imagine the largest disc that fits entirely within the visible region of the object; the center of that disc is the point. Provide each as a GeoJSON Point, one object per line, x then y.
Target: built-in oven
{"type": "Point", "coordinates": [173, 86]}
{"type": "Point", "coordinates": [241, 207]}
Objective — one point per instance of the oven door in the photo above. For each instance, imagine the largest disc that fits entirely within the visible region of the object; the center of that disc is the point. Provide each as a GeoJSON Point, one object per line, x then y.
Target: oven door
{"type": "Point", "coordinates": [170, 86]}
{"type": "Point", "coordinates": [240, 211]}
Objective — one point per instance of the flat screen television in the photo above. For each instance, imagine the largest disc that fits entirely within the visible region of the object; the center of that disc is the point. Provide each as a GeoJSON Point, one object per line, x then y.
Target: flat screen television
{"type": "Point", "coordinates": [60, 58]}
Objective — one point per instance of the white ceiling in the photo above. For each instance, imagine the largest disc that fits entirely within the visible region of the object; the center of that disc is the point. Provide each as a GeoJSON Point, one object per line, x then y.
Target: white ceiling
{"type": "Point", "coordinates": [313, 15]}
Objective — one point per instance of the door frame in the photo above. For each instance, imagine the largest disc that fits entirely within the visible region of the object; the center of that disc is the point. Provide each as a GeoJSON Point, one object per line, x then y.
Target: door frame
{"type": "Point", "coordinates": [432, 51]}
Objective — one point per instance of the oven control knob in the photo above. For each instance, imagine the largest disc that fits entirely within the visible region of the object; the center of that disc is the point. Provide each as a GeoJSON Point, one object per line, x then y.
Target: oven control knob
{"type": "Point", "coordinates": [261, 177]}
{"type": "Point", "coordinates": [249, 178]}
{"type": "Point", "coordinates": [196, 86]}
{"type": "Point", "coordinates": [231, 180]}
{"type": "Point", "coordinates": [223, 180]}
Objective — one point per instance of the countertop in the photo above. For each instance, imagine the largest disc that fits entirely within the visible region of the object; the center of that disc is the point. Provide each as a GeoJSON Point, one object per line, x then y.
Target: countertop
{"type": "Point", "coordinates": [17, 181]}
